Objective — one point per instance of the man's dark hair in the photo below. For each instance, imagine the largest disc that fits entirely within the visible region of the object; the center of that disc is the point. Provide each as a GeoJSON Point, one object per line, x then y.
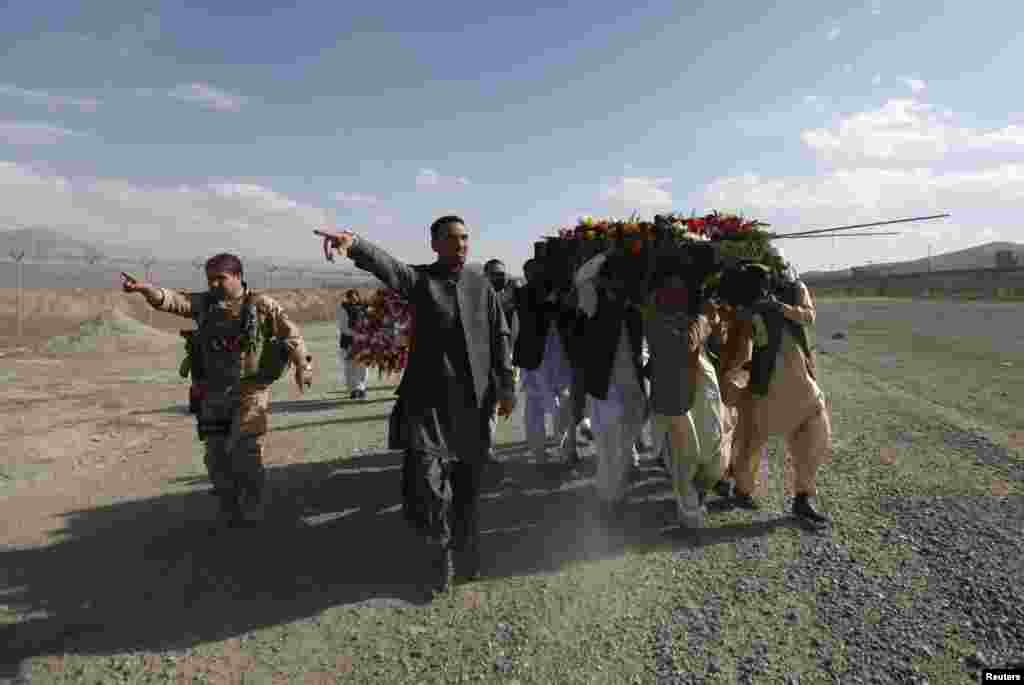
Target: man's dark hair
{"type": "Point", "coordinates": [435, 228]}
{"type": "Point", "coordinates": [491, 263]}
{"type": "Point", "coordinates": [226, 263]}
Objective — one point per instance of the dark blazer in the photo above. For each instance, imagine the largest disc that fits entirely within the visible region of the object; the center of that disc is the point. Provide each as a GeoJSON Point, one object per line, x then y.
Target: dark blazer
{"type": "Point", "coordinates": [535, 317]}
{"type": "Point", "coordinates": [483, 323]}
{"type": "Point", "coordinates": [602, 340]}
{"type": "Point", "coordinates": [534, 320]}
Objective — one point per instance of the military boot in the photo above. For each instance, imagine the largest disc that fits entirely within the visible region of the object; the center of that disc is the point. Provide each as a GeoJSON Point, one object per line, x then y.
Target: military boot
{"type": "Point", "coordinates": [803, 508]}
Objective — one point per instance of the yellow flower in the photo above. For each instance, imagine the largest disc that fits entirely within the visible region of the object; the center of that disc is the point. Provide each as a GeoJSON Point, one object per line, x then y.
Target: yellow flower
{"type": "Point", "coordinates": [588, 235]}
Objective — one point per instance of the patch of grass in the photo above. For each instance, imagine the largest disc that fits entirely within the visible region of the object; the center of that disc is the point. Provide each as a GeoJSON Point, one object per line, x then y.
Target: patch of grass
{"type": "Point", "coordinates": [91, 331]}
{"type": "Point", "coordinates": [8, 376]}
{"type": "Point", "coordinates": [960, 372]}
{"type": "Point", "coordinates": [10, 474]}
{"type": "Point", "coordinates": [157, 376]}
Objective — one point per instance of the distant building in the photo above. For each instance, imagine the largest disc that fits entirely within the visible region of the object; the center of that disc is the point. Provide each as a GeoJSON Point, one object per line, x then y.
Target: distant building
{"type": "Point", "coordinates": [1006, 259]}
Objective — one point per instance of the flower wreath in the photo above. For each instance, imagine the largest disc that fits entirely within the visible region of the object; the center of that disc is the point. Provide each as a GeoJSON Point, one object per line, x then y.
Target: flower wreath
{"type": "Point", "coordinates": [383, 338]}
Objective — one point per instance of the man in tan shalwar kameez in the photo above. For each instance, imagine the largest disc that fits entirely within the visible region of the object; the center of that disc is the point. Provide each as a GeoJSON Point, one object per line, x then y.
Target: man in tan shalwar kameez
{"type": "Point", "coordinates": [782, 396]}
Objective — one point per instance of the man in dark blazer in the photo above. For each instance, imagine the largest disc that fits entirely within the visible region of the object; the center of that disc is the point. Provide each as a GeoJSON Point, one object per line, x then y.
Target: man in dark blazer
{"type": "Point", "coordinates": [613, 375]}
{"type": "Point", "coordinates": [542, 353]}
{"type": "Point", "coordinates": [507, 292]}
{"type": "Point", "coordinates": [461, 356]}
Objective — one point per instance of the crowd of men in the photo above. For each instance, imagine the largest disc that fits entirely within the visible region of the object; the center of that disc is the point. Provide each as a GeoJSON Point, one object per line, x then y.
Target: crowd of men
{"type": "Point", "coordinates": [700, 383]}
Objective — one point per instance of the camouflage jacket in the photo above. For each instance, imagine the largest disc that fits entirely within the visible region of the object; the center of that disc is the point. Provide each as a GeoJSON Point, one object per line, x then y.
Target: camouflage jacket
{"type": "Point", "coordinates": [230, 355]}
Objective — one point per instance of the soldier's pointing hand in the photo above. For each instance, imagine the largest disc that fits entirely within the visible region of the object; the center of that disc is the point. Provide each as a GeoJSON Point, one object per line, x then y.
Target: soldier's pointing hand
{"type": "Point", "coordinates": [130, 284]}
{"type": "Point", "coordinates": [339, 241]}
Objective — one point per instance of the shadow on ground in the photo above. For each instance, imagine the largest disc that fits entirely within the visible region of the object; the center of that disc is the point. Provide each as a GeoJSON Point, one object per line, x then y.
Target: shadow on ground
{"type": "Point", "coordinates": [152, 575]}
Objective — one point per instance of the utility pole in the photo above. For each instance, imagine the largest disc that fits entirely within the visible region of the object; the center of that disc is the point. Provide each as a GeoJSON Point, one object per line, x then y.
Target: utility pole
{"type": "Point", "coordinates": [19, 258]}
{"type": "Point", "coordinates": [93, 259]}
{"type": "Point", "coordinates": [271, 269]}
{"type": "Point", "coordinates": [147, 264]}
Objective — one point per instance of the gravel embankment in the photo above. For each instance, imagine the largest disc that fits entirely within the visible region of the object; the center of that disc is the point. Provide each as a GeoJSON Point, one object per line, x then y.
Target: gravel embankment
{"type": "Point", "coordinates": [969, 551]}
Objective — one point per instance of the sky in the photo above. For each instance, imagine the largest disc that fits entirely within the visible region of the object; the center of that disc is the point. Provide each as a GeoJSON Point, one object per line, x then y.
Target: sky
{"type": "Point", "coordinates": [190, 130]}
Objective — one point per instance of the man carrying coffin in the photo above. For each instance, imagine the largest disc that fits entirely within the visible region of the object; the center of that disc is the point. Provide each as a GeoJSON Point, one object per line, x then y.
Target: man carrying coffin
{"type": "Point", "coordinates": [541, 353]}
{"type": "Point", "coordinates": [613, 374]}
{"type": "Point", "coordinates": [461, 356]}
{"type": "Point", "coordinates": [782, 396]}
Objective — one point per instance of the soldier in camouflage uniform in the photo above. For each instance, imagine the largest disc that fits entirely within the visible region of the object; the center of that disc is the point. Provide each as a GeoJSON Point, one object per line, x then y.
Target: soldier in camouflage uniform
{"type": "Point", "coordinates": [245, 342]}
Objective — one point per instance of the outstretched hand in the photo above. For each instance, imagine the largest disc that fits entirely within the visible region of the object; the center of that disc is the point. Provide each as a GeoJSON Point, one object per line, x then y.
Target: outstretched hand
{"type": "Point", "coordinates": [130, 284]}
{"type": "Point", "coordinates": [336, 242]}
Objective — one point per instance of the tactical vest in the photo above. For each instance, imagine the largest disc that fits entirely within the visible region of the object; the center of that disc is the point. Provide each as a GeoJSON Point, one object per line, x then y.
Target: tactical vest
{"type": "Point", "coordinates": [232, 350]}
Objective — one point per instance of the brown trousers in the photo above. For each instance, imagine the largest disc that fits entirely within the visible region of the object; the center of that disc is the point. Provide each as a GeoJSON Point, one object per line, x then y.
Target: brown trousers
{"type": "Point", "coordinates": [807, 446]}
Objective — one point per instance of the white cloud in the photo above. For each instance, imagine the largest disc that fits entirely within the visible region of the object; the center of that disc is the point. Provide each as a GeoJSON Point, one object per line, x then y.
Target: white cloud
{"type": "Point", "coordinates": [847, 68]}
{"type": "Point", "coordinates": [915, 84]}
{"type": "Point", "coordinates": [356, 199]}
{"type": "Point", "coordinates": [32, 133]}
{"type": "Point", "coordinates": [903, 159]}
{"type": "Point", "coordinates": [877, 79]}
{"type": "Point", "coordinates": [905, 131]}
{"type": "Point", "coordinates": [847, 192]}
{"type": "Point", "coordinates": [638, 193]}
{"type": "Point", "coordinates": [180, 221]}
{"type": "Point", "coordinates": [834, 32]}
{"type": "Point", "coordinates": [429, 178]}
{"type": "Point", "coordinates": [53, 102]}
{"type": "Point", "coordinates": [208, 96]}
{"type": "Point", "coordinates": [876, 7]}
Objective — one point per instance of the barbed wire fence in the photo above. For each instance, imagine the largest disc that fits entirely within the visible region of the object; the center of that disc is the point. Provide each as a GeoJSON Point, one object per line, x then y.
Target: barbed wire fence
{"type": "Point", "coordinates": [93, 270]}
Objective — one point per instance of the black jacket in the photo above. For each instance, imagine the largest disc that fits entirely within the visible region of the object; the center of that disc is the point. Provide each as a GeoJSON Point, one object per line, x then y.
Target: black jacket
{"type": "Point", "coordinates": [535, 317]}
{"type": "Point", "coordinates": [601, 335]}
{"type": "Point", "coordinates": [483, 323]}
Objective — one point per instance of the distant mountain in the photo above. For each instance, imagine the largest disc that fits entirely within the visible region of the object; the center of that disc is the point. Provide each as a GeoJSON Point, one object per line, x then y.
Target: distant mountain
{"type": "Point", "coordinates": [55, 259]}
{"type": "Point", "coordinates": [978, 257]}
{"type": "Point", "coordinates": [48, 245]}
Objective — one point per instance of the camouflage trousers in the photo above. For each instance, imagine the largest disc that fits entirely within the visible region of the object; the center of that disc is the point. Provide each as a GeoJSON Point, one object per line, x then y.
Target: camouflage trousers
{"type": "Point", "coordinates": [235, 433]}
{"type": "Point", "coordinates": [235, 464]}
